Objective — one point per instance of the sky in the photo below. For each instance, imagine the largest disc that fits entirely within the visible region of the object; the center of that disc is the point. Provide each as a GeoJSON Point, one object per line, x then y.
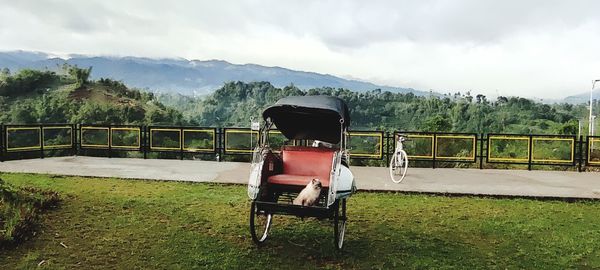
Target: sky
{"type": "Point", "coordinates": [532, 48]}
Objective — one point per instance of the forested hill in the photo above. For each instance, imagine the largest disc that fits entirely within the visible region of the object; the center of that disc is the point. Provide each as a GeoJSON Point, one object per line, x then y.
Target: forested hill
{"type": "Point", "coordinates": [68, 96]}
{"type": "Point", "coordinates": [236, 103]}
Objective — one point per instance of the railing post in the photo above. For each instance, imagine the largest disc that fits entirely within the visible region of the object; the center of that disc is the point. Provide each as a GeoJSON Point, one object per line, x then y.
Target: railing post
{"type": "Point", "coordinates": [221, 144]}
{"type": "Point", "coordinates": [144, 140]}
{"type": "Point", "coordinates": [434, 150]}
{"type": "Point", "coordinates": [41, 141]}
{"type": "Point", "coordinates": [2, 143]}
{"type": "Point", "coordinates": [79, 139]}
{"type": "Point", "coordinates": [181, 143]}
{"type": "Point", "coordinates": [218, 144]}
{"type": "Point", "coordinates": [530, 152]}
{"type": "Point", "coordinates": [110, 141]}
{"type": "Point", "coordinates": [580, 156]}
{"type": "Point", "coordinates": [73, 140]}
{"type": "Point", "coordinates": [387, 147]}
{"type": "Point", "coordinates": [389, 140]}
{"type": "Point", "coordinates": [587, 151]}
{"type": "Point", "coordinates": [481, 151]}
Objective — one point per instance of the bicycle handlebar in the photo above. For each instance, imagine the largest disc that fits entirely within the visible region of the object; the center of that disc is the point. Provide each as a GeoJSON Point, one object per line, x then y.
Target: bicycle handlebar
{"type": "Point", "coordinates": [404, 136]}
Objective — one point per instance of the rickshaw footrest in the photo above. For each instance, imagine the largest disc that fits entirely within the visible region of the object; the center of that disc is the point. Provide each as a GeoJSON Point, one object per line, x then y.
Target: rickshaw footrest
{"type": "Point", "coordinates": [295, 210]}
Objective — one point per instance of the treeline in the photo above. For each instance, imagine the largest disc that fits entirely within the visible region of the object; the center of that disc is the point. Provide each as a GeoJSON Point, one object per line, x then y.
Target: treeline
{"type": "Point", "coordinates": [236, 103]}
{"type": "Point", "coordinates": [68, 96]}
{"type": "Point", "coordinates": [25, 82]}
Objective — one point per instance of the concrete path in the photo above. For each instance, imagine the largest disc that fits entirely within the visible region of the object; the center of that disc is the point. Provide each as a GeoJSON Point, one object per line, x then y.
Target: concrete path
{"type": "Point", "coordinates": [456, 181]}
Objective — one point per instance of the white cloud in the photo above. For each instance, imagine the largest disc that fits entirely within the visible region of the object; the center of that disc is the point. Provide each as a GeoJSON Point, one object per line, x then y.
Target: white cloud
{"type": "Point", "coordinates": [537, 48]}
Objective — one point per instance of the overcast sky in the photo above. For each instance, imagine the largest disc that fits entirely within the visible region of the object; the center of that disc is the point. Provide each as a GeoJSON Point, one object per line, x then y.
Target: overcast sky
{"type": "Point", "coordinates": [544, 49]}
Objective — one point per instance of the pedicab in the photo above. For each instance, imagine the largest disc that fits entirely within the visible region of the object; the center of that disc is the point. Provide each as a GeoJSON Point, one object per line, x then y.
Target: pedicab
{"type": "Point", "coordinates": [278, 175]}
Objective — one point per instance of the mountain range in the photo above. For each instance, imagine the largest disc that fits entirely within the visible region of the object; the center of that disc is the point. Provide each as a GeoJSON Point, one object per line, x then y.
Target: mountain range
{"type": "Point", "coordinates": [196, 77]}
{"type": "Point", "coordinates": [187, 77]}
{"type": "Point", "coordinates": [582, 98]}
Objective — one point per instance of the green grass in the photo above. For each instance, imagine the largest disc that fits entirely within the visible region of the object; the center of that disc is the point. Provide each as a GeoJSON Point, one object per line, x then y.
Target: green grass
{"type": "Point", "coordinates": [20, 210]}
{"type": "Point", "coordinates": [112, 223]}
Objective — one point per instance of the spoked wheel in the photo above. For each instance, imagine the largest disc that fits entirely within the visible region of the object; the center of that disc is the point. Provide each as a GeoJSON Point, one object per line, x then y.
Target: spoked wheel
{"type": "Point", "coordinates": [339, 224]}
{"type": "Point", "coordinates": [398, 166]}
{"type": "Point", "coordinates": [260, 223]}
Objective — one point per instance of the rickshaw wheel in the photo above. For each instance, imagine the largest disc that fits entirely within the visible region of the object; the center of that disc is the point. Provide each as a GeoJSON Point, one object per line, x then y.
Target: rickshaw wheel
{"type": "Point", "coordinates": [339, 226]}
{"type": "Point", "coordinates": [260, 223]}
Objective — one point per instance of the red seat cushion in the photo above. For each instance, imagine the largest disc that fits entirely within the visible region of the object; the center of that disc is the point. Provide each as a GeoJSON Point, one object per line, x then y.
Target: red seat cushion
{"type": "Point", "coordinates": [294, 180]}
{"type": "Point", "coordinates": [301, 164]}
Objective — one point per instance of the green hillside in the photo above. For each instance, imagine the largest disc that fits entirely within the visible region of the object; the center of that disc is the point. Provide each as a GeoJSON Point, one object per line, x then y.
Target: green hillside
{"type": "Point", "coordinates": [236, 103]}
{"type": "Point", "coordinates": [32, 96]}
{"type": "Point", "coordinates": [68, 96]}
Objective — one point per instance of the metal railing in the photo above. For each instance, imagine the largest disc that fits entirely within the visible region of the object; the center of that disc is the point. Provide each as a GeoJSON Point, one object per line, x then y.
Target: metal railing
{"type": "Point", "coordinates": [436, 147]}
{"type": "Point", "coordinates": [36, 138]}
{"type": "Point", "coordinates": [530, 150]}
{"type": "Point", "coordinates": [427, 147]}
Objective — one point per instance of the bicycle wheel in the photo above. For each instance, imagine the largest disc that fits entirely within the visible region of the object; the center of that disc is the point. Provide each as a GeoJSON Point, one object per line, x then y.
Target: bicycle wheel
{"type": "Point", "coordinates": [260, 223]}
{"type": "Point", "coordinates": [398, 166]}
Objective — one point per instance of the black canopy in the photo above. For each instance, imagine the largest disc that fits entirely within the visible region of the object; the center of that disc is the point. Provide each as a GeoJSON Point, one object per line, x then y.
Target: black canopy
{"type": "Point", "coordinates": [309, 117]}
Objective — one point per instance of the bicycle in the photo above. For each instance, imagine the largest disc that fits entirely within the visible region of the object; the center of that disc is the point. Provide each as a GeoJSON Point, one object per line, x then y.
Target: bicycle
{"type": "Point", "coordinates": [399, 161]}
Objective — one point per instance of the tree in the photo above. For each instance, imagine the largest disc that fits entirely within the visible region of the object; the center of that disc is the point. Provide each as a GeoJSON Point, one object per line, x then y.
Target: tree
{"type": "Point", "coordinates": [26, 81]}
{"type": "Point", "coordinates": [481, 98]}
{"type": "Point", "coordinates": [569, 128]}
{"type": "Point", "coordinates": [23, 114]}
{"type": "Point", "coordinates": [468, 97]}
{"type": "Point", "coordinates": [436, 123]}
{"type": "Point", "coordinates": [4, 73]}
{"type": "Point", "coordinates": [501, 100]}
{"type": "Point", "coordinates": [81, 75]}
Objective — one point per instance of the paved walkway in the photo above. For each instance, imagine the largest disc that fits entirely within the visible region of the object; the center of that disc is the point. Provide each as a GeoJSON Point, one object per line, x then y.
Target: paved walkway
{"type": "Point", "coordinates": [458, 181]}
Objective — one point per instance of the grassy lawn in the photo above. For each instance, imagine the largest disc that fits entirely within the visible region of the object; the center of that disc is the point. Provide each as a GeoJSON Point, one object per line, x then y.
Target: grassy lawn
{"type": "Point", "coordinates": [112, 223]}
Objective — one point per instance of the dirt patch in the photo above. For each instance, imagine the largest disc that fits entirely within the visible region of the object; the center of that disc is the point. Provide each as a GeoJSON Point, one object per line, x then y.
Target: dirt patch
{"type": "Point", "coordinates": [86, 93]}
{"type": "Point", "coordinates": [80, 93]}
{"type": "Point", "coordinates": [98, 95]}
